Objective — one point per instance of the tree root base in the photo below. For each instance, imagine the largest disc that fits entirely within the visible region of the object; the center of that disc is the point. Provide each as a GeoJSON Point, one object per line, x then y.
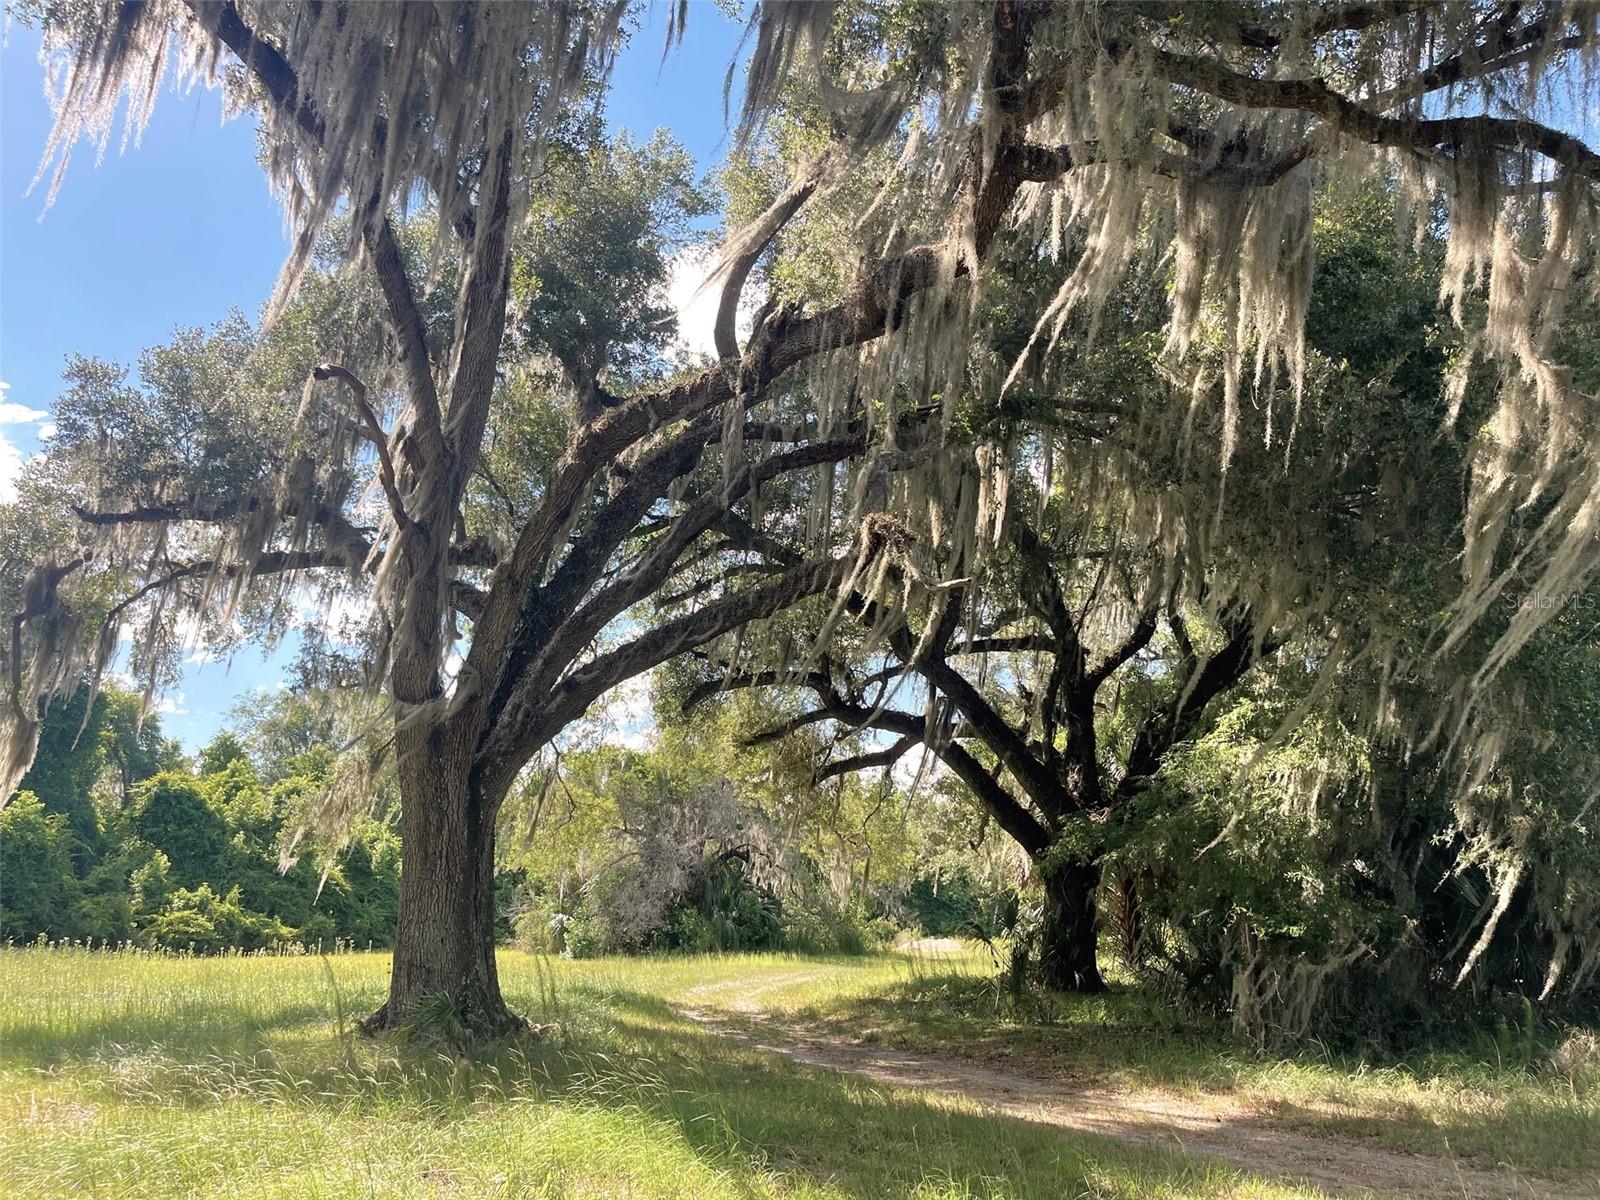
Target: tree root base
{"type": "Point", "coordinates": [433, 1018]}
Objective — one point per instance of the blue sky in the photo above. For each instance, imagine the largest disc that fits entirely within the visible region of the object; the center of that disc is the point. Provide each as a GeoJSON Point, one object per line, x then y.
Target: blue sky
{"type": "Point", "coordinates": [182, 228]}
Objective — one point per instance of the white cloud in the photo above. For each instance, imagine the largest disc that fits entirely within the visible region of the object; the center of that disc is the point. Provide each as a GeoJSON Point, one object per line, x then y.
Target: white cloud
{"type": "Point", "coordinates": [337, 612]}
{"type": "Point", "coordinates": [695, 301]}
{"type": "Point", "coordinates": [170, 706]}
{"type": "Point", "coordinates": [12, 413]}
{"type": "Point", "coordinates": [11, 461]}
{"type": "Point", "coordinates": [453, 662]}
{"type": "Point", "coordinates": [20, 414]}
{"type": "Point", "coordinates": [916, 768]}
{"type": "Point", "coordinates": [626, 714]}
{"type": "Point", "coordinates": [192, 635]}
{"type": "Point", "coordinates": [12, 457]}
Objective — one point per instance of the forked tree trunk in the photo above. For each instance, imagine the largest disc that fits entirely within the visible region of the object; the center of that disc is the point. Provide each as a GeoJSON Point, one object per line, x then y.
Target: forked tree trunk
{"type": "Point", "coordinates": [1067, 938]}
{"type": "Point", "coordinates": [444, 965]}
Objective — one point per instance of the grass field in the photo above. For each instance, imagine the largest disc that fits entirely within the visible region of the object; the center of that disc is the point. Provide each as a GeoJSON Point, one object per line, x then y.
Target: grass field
{"type": "Point", "coordinates": [131, 1075]}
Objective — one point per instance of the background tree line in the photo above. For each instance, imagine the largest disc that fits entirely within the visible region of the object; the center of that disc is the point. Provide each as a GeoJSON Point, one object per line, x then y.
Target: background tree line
{"type": "Point", "coordinates": [117, 836]}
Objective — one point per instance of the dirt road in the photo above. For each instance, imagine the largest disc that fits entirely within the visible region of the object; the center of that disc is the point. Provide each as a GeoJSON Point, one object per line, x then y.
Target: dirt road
{"type": "Point", "coordinates": [1214, 1127]}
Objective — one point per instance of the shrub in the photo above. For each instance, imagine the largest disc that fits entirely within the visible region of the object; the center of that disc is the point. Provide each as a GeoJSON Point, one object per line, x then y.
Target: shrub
{"type": "Point", "coordinates": [944, 904]}
{"type": "Point", "coordinates": [201, 920]}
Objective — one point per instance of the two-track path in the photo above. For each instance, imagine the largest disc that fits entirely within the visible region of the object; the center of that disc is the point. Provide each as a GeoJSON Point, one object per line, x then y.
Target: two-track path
{"type": "Point", "coordinates": [1214, 1127]}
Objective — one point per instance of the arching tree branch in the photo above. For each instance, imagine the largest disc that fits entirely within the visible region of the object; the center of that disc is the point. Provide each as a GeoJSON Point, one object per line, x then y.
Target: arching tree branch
{"type": "Point", "coordinates": [1350, 117]}
{"type": "Point", "coordinates": [380, 441]}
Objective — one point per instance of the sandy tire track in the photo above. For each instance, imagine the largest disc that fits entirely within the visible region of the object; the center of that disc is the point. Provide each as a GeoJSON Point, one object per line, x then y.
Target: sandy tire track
{"type": "Point", "coordinates": [1218, 1128]}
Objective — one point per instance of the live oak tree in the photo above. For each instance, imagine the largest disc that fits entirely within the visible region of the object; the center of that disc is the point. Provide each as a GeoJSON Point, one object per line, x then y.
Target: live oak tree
{"type": "Point", "coordinates": [1030, 753]}
{"type": "Point", "coordinates": [1130, 131]}
{"type": "Point", "coordinates": [212, 498]}
{"type": "Point", "coordinates": [1066, 700]}
{"type": "Point", "coordinates": [1102, 641]}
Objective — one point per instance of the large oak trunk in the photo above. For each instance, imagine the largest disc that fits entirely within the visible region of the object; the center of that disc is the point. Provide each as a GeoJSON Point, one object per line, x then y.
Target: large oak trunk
{"type": "Point", "coordinates": [1067, 939]}
{"type": "Point", "coordinates": [444, 965]}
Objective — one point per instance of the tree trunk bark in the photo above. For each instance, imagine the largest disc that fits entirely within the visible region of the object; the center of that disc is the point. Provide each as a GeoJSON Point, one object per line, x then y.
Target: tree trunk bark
{"type": "Point", "coordinates": [1067, 939]}
{"type": "Point", "coordinates": [444, 965]}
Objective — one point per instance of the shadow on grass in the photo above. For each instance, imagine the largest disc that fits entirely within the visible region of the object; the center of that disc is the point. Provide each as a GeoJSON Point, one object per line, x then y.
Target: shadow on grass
{"type": "Point", "coordinates": [200, 1026]}
{"type": "Point", "coordinates": [1119, 1034]}
{"type": "Point", "coordinates": [1561, 1137]}
{"type": "Point", "coordinates": [761, 1123]}
{"type": "Point", "coordinates": [735, 1102]}
{"type": "Point", "coordinates": [874, 1135]}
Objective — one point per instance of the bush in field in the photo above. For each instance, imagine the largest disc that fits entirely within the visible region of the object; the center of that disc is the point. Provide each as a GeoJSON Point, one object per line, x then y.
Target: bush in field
{"type": "Point", "coordinates": [203, 921]}
{"type": "Point", "coordinates": [1318, 883]}
{"type": "Point", "coordinates": [173, 813]}
{"type": "Point", "coordinates": [723, 909]}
